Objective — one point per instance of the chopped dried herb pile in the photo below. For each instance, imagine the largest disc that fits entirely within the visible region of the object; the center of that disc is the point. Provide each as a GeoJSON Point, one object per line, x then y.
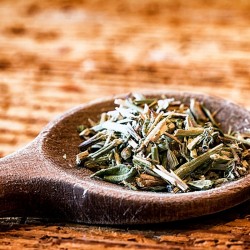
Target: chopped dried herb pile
{"type": "Point", "coordinates": [163, 145]}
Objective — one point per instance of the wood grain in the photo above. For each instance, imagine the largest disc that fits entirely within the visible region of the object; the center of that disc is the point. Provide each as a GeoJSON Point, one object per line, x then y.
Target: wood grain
{"type": "Point", "coordinates": [228, 230]}
{"type": "Point", "coordinates": [54, 56]}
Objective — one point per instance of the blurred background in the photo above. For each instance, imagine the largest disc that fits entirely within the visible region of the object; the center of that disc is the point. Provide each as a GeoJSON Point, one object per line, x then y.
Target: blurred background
{"type": "Point", "coordinates": [58, 54]}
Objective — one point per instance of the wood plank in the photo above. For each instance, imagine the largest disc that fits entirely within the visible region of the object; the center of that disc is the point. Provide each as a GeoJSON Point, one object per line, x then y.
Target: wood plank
{"type": "Point", "coordinates": [58, 54]}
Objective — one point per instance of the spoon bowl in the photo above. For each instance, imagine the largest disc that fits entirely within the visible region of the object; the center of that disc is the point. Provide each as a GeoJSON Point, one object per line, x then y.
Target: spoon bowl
{"type": "Point", "coordinates": [42, 179]}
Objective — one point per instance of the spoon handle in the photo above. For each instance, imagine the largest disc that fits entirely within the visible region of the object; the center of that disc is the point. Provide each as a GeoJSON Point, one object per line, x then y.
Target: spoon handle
{"type": "Point", "coordinates": [14, 183]}
{"type": "Point", "coordinates": [31, 186]}
{"type": "Point", "coordinates": [25, 188]}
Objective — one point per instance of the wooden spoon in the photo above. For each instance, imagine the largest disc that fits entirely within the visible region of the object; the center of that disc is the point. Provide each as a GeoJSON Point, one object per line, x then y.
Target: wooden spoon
{"type": "Point", "coordinates": [38, 181]}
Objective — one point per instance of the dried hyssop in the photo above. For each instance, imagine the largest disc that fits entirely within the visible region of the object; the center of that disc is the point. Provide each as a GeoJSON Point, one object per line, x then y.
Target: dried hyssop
{"type": "Point", "coordinates": [163, 145]}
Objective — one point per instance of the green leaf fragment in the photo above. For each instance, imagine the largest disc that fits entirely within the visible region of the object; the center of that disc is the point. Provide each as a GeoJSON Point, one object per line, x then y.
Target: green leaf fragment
{"type": "Point", "coordinates": [189, 167]}
{"type": "Point", "coordinates": [116, 174]}
{"type": "Point", "coordinates": [201, 184]}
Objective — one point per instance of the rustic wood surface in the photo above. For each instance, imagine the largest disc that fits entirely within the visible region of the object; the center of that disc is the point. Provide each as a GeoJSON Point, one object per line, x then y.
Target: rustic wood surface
{"type": "Point", "coordinates": [54, 56]}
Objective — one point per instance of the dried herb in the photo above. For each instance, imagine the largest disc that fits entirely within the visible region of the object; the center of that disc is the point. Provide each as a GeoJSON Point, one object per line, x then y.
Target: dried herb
{"type": "Point", "coordinates": [163, 145]}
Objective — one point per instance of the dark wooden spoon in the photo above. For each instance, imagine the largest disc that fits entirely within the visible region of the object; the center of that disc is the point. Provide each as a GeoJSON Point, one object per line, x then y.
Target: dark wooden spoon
{"type": "Point", "coordinates": [39, 181]}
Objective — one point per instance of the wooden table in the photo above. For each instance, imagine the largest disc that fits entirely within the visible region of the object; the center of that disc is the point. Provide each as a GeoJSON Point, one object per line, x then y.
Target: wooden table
{"type": "Point", "coordinates": [54, 56]}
